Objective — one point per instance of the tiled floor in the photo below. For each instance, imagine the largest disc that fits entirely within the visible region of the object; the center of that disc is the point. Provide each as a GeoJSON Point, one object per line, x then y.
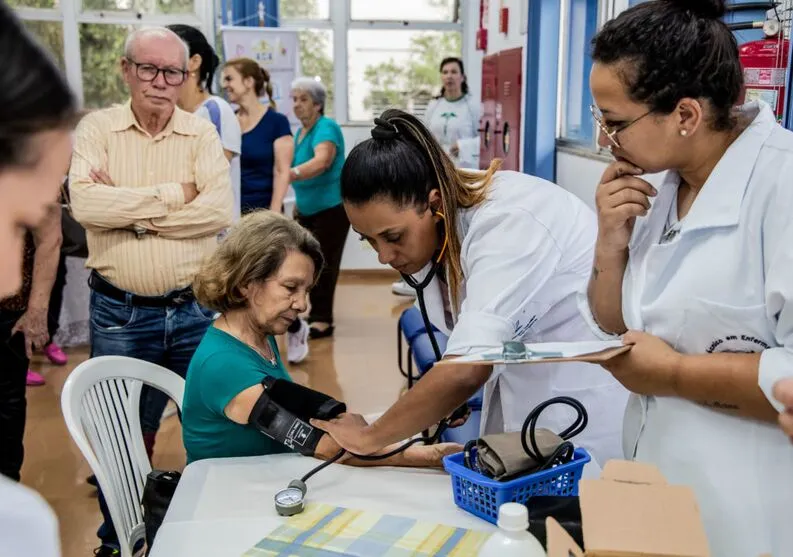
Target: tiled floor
{"type": "Point", "coordinates": [358, 366]}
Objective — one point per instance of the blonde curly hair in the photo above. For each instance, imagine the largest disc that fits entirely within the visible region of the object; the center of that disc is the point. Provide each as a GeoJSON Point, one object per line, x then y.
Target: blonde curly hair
{"type": "Point", "coordinates": [253, 251]}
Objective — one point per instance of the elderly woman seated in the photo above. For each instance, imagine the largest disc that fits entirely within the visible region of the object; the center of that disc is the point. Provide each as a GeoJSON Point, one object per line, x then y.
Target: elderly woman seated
{"type": "Point", "coordinates": [258, 280]}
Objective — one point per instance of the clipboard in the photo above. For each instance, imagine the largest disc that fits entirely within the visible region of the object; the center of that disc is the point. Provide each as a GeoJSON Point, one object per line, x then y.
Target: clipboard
{"type": "Point", "coordinates": [594, 352]}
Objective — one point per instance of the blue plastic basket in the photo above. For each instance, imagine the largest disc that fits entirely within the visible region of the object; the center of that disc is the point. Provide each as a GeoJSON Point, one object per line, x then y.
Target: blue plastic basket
{"type": "Point", "coordinates": [482, 496]}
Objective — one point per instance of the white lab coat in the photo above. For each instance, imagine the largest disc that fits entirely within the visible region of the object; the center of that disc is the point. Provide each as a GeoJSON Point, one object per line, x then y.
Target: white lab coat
{"type": "Point", "coordinates": [724, 283]}
{"type": "Point", "coordinates": [526, 252]}
{"type": "Point", "coordinates": [27, 524]}
{"type": "Point", "coordinates": [456, 122]}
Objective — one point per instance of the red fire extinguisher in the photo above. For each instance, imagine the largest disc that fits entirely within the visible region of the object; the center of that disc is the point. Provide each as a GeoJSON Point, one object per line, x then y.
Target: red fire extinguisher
{"type": "Point", "coordinates": [764, 65]}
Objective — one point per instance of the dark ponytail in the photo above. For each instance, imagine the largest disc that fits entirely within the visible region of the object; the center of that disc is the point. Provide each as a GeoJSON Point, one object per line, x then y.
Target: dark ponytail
{"type": "Point", "coordinates": [668, 50]}
{"type": "Point", "coordinates": [403, 163]}
{"type": "Point", "coordinates": [459, 62]}
{"type": "Point", "coordinates": [34, 95]}
{"type": "Point", "coordinates": [268, 87]}
{"type": "Point", "coordinates": [198, 44]}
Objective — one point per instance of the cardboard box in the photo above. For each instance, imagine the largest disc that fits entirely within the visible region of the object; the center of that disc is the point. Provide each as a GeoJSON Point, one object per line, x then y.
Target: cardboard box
{"type": "Point", "coordinates": [632, 511]}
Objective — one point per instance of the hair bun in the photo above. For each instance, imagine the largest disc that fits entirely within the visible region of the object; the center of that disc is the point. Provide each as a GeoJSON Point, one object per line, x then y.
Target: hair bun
{"type": "Point", "coordinates": [709, 9]}
{"type": "Point", "coordinates": [384, 129]}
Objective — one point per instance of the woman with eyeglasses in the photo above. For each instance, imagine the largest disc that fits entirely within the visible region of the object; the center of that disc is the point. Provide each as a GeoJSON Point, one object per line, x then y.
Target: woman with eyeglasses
{"type": "Point", "coordinates": [697, 274]}
{"type": "Point", "coordinates": [509, 253]}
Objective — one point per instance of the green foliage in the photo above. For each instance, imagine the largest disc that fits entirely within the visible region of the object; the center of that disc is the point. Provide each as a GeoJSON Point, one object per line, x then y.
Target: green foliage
{"type": "Point", "coordinates": [395, 85]}
{"type": "Point", "coordinates": [314, 61]}
{"type": "Point", "coordinates": [101, 45]}
{"type": "Point", "coordinates": [314, 45]}
{"type": "Point", "coordinates": [31, 3]}
{"type": "Point", "coordinates": [101, 48]}
{"type": "Point", "coordinates": [142, 6]}
{"type": "Point", "coordinates": [50, 35]}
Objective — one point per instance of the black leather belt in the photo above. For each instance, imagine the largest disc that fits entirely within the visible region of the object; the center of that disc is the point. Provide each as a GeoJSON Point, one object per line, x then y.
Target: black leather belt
{"type": "Point", "coordinates": [175, 298]}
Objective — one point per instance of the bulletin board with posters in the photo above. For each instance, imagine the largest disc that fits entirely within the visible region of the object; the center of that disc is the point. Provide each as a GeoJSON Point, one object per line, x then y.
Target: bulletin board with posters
{"type": "Point", "coordinates": [276, 50]}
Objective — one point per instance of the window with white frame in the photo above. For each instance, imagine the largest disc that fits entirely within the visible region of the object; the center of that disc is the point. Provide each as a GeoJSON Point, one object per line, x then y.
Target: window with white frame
{"type": "Point", "coordinates": [316, 43]}
{"type": "Point", "coordinates": [44, 23]}
{"type": "Point", "coordinates": [578, 26]}
{"type": "Point", "coordinates": [395, 69]}
{"type": "Point", "coordinates": [580, 20]}
{"type": "Point", "coordinates": [369, 54]}
{"type": "Point", "coordinates": [405, 10]}
{"type": "Point", "coordinates": [101, 46]}
{"type": "Point", "coordinates": [304, 9]}
{"type": "Point", "coordinates": [50, 35]}
{"type": "Point", "coordinates": [89, 45]}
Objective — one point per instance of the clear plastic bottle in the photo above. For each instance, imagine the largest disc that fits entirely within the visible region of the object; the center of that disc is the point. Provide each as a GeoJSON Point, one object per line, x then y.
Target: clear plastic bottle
{"type": "Point", "coordinates": [512, 538]}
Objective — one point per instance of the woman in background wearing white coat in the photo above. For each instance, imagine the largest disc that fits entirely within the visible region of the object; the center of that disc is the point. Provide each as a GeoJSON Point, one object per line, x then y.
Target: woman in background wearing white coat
{"type": "Point", "coordinates": [453, 117]}
{"type": "Point", "coordinates": [514, 251]}
{"type": "Point", "coordinates": [700, 279]}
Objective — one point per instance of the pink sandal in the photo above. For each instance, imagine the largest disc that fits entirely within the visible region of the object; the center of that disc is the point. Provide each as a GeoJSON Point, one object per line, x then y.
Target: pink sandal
{"type": "Point", "coordinates": [35, 379]}
{"type": "Point", "coordinates": [55, 354]}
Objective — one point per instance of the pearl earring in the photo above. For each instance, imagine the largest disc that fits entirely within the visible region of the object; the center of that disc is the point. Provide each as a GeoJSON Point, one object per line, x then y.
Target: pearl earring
{"type": "Point", "coordinates": [683, 133]}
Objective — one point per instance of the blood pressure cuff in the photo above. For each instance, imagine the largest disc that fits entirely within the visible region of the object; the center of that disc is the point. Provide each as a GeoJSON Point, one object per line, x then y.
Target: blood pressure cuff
{"type": "Point", "coordinates": [501, 456]}
{"type": "Point", "coordinates": [301, 401]}
{"type": "Point", "coordinates": [284, 410]}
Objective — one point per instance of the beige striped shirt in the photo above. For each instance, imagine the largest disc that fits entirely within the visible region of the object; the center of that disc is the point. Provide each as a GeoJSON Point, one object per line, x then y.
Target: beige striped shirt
{"type": "Point", "coordinates": [148, 172]}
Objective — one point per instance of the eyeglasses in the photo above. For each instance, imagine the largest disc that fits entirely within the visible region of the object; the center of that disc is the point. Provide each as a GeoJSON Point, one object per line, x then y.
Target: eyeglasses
{"type": "Point", "coordinates": [611, 132]}
{"type": "Point", "coordinates": [149, 72]}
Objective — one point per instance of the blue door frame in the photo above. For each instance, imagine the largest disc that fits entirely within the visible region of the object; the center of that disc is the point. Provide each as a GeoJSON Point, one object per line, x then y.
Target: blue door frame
{"type": "Point", "coordinates": [541, 83]}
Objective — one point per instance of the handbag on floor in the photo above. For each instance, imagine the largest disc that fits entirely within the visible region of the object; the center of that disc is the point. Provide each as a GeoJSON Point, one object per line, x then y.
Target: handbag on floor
{"type": "Point", "coordinates": [157, 494]}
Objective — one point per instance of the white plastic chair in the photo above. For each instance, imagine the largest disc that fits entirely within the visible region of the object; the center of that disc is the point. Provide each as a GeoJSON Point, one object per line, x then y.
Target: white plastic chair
{"type": "Point", "coordinates": [100, 403]}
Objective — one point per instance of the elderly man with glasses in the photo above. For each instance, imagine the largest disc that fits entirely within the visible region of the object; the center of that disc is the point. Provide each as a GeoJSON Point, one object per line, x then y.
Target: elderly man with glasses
{"type": "Point", "coordinates": [151, 185]}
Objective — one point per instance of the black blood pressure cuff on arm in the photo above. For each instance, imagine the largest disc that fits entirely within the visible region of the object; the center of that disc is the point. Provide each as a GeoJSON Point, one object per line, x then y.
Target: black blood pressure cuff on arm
{"type": "Point", "coordinates": [283, 412]}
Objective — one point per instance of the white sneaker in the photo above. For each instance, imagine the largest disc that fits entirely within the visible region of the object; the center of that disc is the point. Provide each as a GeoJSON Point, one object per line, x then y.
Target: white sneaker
{"type": "Point", "coordinates": [401, 288]}
{"type": "Point", "coordinates": [297, 344]}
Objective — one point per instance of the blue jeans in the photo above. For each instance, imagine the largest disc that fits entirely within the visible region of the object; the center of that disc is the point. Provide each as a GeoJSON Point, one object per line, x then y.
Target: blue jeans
{"type": "Point", "coordinates": [167, 336]}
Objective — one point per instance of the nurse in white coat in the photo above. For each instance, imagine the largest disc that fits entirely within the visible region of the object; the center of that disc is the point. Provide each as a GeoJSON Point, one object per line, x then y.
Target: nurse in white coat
{"type": "Point", "coordinates": [517, 249]}
{"type": "Point", "coordinates": [699, 273]}
{"type": "Point", "coordinates": [453, 117]}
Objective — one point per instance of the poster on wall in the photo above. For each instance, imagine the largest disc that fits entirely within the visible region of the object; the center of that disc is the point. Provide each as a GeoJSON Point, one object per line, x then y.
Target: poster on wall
{"type": "Point", "coordinates": [276, 50]}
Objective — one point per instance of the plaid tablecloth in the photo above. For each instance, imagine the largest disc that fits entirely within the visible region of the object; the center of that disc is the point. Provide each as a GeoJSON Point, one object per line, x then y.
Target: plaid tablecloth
{"type": "Point", "coordinates": [328, 531]}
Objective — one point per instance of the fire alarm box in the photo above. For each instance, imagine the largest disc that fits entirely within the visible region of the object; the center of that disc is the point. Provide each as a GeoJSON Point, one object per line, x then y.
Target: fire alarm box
{"type": "Point", "coordinates": [481, 39]}
{"type": "Point", "coordinates": [503, 20]}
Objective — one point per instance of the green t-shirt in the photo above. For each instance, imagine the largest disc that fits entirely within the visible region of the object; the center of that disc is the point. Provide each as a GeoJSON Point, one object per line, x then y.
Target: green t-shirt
{"type": "Point", "coordinates": [324, 191]}
{"type": "Point", "coordinates": [222, 367]}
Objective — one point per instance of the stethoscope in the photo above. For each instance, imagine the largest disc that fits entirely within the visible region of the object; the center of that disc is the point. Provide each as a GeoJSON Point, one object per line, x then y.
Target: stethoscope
{"type": "Point", "coordinates": [437, 264]}
{"type": "Point", "coordinates": [291, 500]}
